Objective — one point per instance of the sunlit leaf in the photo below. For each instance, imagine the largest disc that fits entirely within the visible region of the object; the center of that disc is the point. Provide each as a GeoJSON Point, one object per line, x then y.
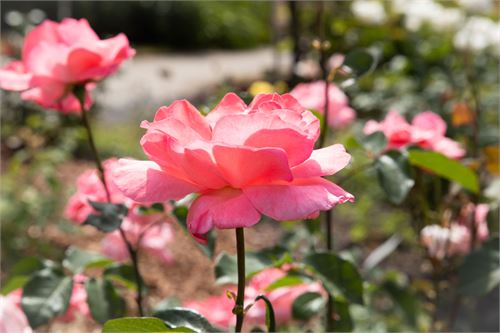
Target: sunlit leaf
{"type": "Point", "coordinates": [445, 167]}
{"type": "Point", "coordinates": [137, 325]}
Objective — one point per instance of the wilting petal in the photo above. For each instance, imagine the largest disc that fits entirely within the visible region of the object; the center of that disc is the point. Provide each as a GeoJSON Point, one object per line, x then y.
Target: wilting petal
{"type": "Point", "coordinates": [144, 181]}
{"type": "Point", "coordinates": [297, 200]}
{"type": "Point", "coordinates": [224, 209]}
{"type": "Point", "coordinates": [323, 162]}
{"type": "Point", "coordinates": [243, 166]}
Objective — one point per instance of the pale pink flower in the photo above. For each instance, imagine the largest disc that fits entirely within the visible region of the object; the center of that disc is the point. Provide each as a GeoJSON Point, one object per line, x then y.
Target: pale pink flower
{"type": "Point", "coordinates": [149, 232]}
{"type": "Point", "coordinates": [218, 309]}
{"type": "Point", "coordinates": [444, 242]}
{"type": "Point", "coordinates": [427, 131]}
{"type": "Point", "coordinates": [312, 97]}
{"type": "Point", "coordinates": [243, 161]}
{"type": "Point", "coordinates": [479, 214]}
{"type": "Point", "coordinates": [57, 56]}
{"type": "Point", "coordinates": [12, 317]}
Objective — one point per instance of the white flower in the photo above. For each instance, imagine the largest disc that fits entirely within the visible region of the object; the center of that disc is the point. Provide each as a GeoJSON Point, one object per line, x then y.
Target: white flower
{"type": "Point", "coordinates": [420, 12]}
{"type": "Point", "coordinates": [477, 34]}
{"type": "Point", "coordinates": [369, 11]}
{"type": "Point", "coordinates": [477, 6]}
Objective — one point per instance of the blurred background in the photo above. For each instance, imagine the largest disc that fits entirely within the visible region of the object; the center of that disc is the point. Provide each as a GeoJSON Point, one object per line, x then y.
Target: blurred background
{"type": "Point", "coordinates": [431, 55]}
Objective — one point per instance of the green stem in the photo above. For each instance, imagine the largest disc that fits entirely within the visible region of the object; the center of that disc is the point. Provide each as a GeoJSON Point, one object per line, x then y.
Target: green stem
{"type": "Point", "coordinates": [80, 94]}
{"type": "Point", "coordinates": [238, 309]}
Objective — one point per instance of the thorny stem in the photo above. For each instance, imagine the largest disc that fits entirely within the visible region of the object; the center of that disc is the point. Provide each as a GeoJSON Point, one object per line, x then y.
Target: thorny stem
{"type": "Point", "coordinates": [238, 309]}
{"type": "Point", "coordinates": [80, 94]}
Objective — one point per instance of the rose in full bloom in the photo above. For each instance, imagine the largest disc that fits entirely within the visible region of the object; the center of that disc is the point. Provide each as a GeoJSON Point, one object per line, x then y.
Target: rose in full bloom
{"type": "Point", "coordinates": [427, 131]}
{"type": "Point", "coordinates": [150, 232]}
{"type": "Point", "coordinates": [77, 307]}
{"type": "Point", "coordinates": [56, 57]}
{"type": "Point", "coordinates": [243, 161]}
{"type": "Point", "coordinates": [12, 317]}
{"type": "Point", "coordinates": [444, 242]}
{"type": "Point", "coordinates": [218, 309]}
{"type": "Point", "coordinates": [312, 96]}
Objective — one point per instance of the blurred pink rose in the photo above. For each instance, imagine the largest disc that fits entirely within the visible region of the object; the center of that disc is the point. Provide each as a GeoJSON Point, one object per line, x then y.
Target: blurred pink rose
{"type": "Point", "coordinates": [243, 161]}
{"type": "Point", "coordinates": [312, 97]}
{"type": "Point", "coordinates": [149, 232]}
{"type": "Point", "coordinates": [57, 56]}
{"type": "Point", "coordinates": [479, 214]}
{"type": "Point", "coordinates": [12, 318]}
{"type": "Point", "coordinates": [445, 242]}
{"type": "Point", "coordinates": [427, 130]}
{"type": "Point", "coordinates": [218, 309]}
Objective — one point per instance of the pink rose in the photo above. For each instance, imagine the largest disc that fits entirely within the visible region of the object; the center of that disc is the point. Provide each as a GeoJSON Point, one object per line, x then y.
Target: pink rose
{"type": "Point", "coordinates": [445, 242]}
{"type": "Point", "coordinates": [243, 161]}
{"type": "Point", "coordinates": [312, 96]}
{"type": "Point", "coordinates": [479, 214]}
{"type": "Point", "coordinates": [12, 317]}
{"type": "Point", "coordinates": [149, 232]}
{"type": "Point", "coordinates": [57, 56]}
{"type": "Point", "coordinates": [427, 130]}
{"type": "Point", "coordinates": [218, 309]}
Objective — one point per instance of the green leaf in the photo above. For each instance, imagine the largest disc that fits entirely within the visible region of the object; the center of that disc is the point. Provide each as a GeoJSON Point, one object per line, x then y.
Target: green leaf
{"type": "Point", "coordinates": [104, 302]}
{"type": "Point", "coordinates": [20, 273]}
{"type": "Point", "coordinates": [307, 305]}
{"type": "Point", "coordinates": [445, 167]}
{"type": "Point", "coordinates": [121, 273]}
{"type": "Point", "coordinates": [480, 271]}
{"type": "Point", "coordinates": [343, 322]}
{"type": "Point", "coordinates": [339, 276]}
{"type": "Point", "coordinates": [375, 142]}
{"type": "Point", "coordinates": [185, 318]}
{"type": "Point", "coordinates": [110, 217]}
{"type": "Point", "coordinates": [136, 325]}
{"type": "Point", "coordinates": [394, 176]}
{"type": "Point", "coordinates": [359, 62]}
{"type": "Point", "coordinates": [405, 300]}
{"type": "Point", "coordinates": [208, 249]}
{"type": "Point", "coordinates": [270, 318]}
{"type": "Point", "coordinates": [45, 296]}
{"type": "Point", "coordinates": [77, 260]}
{"type": "Point", "coordinates": [286, 281]}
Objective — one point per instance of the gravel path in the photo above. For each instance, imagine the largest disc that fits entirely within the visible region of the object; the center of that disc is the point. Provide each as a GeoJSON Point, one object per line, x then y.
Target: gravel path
{"type": "Point", "coordinates": [149, 81]}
